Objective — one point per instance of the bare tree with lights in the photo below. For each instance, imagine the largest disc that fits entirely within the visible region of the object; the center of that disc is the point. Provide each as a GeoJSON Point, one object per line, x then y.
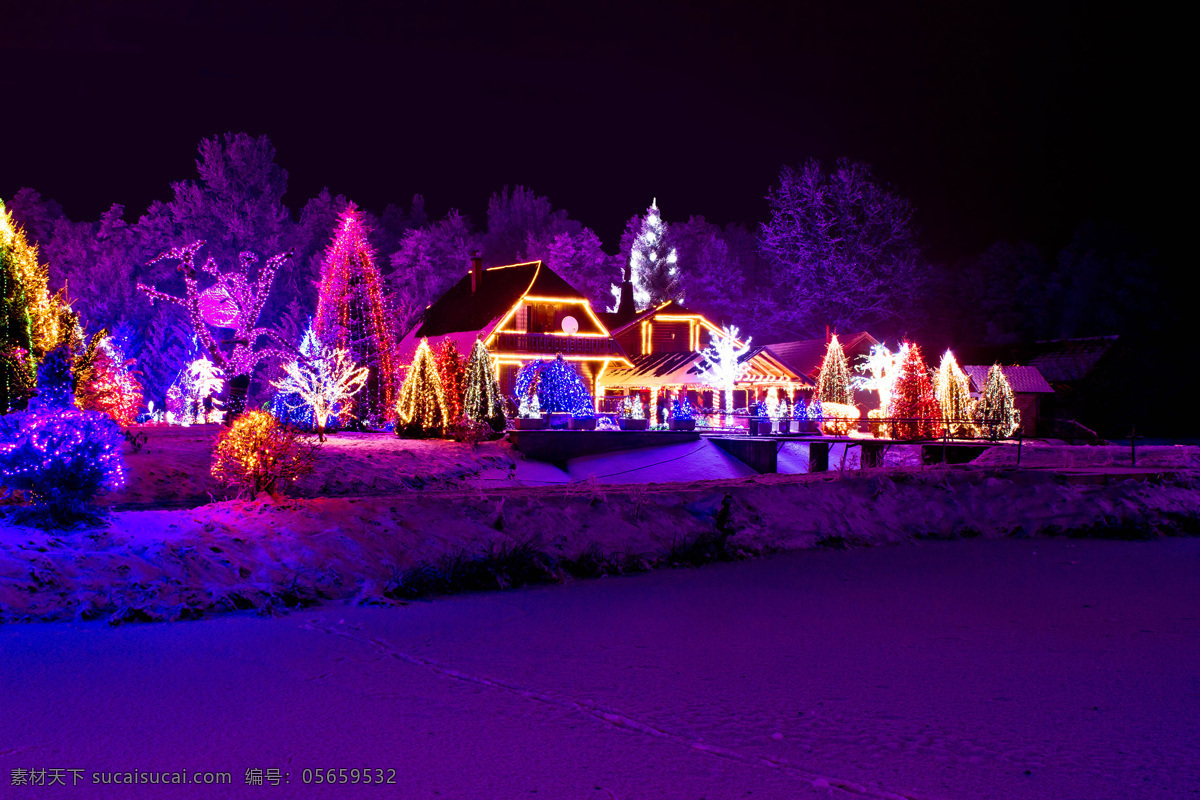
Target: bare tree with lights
{"type": "Point", "coordinates": [723, 365]}
{"type": "Point", "coordinates": [234, 301]}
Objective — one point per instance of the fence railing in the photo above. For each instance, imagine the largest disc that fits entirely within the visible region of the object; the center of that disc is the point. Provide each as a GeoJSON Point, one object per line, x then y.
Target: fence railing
{"type": "Point", "coordinates": [548, 343]}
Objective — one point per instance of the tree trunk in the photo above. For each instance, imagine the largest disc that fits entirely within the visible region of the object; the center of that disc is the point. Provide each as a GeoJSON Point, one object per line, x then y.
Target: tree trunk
{"type": "Point", "coordinates": [239, 385]}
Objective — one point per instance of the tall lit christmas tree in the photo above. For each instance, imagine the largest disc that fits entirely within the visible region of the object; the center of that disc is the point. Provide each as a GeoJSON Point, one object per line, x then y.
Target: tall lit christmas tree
{"type": "Point", "coordinates": [17, 376]}
{"type": "Point", "coordinates": [952, 388]}
{"type": "Point", "coordinates": [996, 412]}
{"type": "Point", "coordinates": [421, 409]}
{"type": "Point", "coordinates": [51, 321]}
{"type": "Point", "coordinates": [453, 373]}
{"type": "Point", "coordinates": [481, 399]}
{"type": "Point", "coordinates": [653, 264]}
{"type": "Point", "coordinates": [913, 401]}
{"type": "Point", "coordinates": [833, 383]}
{"type": "Point", "coordinates": [352, 314]}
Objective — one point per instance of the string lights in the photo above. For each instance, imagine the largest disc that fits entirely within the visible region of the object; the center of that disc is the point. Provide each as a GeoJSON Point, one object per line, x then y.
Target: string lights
{"type": "Point", "coordinates": [352, 314]}
{"type": "Point", "coordinates": [59, 456]}
{"type": "Point", "coordinates": [421, 409]}
{"type": "Point", "coordinates": [833, 382]}
{"type": "Point", "coordinates": [952, 388]}
{"type": "Point", "coordinates": [258, 454]}
{"type": "Point", "coordinates": [453, 374]}
{"type": "Point", "coordinates": [723, 366]}
{"type": "Point", "coordinates": [324, 380]}
{"type": "Point", "coordinates": [996, 412]}
{"type": "Point", "coordinates": [914, 405]}
{"type": "Point", "coordinates": [107, 383]}
{"type": "Point", "coordinates": [556, 384]}
{"type": "Point", "coordinates": [482, 401]}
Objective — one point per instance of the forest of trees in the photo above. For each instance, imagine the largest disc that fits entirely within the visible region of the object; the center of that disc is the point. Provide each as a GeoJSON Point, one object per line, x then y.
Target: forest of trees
{"type": "Point", "coordinates": [840, 249]}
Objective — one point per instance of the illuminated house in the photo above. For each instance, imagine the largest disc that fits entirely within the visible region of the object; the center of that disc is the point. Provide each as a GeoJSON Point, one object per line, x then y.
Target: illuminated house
{"type": "Point", "coordinates": [522, 312]}
{"type": "Point", "coordinates": [663, 345]}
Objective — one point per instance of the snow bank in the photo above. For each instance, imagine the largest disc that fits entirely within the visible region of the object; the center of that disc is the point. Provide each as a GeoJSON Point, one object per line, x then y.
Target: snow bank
{"type": "Point", "coordinates": [173, 467]}
{"type": "Point", "coordinates": [172, 564]}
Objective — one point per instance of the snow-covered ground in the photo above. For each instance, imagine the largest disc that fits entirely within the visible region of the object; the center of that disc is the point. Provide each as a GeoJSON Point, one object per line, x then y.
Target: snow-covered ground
{"type": "Point", "coordinates": [1000, 669]}
{"type": "Point", "coordinates": [173, 468]}
{"type": "Point", "coordinates": [178, 563]}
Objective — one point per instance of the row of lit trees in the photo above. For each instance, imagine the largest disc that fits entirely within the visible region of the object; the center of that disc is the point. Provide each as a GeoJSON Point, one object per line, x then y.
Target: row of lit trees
{"type": "Point", "coordinates": [34, 324]}
{"type": "Point", "coordinates": [919, 402]}
{"type": "Point", "coordinates": [442, 393]}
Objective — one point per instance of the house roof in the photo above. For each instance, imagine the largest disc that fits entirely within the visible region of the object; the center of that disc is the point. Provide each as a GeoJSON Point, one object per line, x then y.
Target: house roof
{"type": "Point", "coordinates": [804, 357]}
{"type": "Point", "coordinates": [460, 310]}
{"type": "Point", "coordinates": [463, 315]}
{"type": "Point", "coordinates": [656, 369]}
{"type": "Point", "coordinates": [614, 322]}
{"type": "Point", "coordinates": [1059, 360]}
{"type": "Point", "coordinates": [1023, 380]}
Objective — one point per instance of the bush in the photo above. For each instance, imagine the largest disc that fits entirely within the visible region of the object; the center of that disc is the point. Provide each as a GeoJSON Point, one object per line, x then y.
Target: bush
{"type": "Point", "coordinates": [61, 458]}
{"type": "Point", "coordinates": [257, 454]}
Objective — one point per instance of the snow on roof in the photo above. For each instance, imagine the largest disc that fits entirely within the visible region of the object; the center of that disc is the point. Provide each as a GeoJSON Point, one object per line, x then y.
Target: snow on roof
{"type": "Point", "coordinates": [1024, 380]}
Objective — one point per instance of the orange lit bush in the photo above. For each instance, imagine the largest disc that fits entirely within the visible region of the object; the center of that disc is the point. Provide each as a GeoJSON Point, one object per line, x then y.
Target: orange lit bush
{"type": "Point", "coordinates": [257, 454]}
{"type": "Point", "coordinates": [838, 418]}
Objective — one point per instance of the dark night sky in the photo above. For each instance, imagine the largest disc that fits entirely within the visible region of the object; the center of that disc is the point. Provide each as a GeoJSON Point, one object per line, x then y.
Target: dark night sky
{"type": "Point", "coordinates": [997, 123]}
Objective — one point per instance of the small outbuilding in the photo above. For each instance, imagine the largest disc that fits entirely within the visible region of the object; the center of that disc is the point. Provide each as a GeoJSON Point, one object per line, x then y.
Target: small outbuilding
{"type": "Point", "coordinates": [1029, 388]}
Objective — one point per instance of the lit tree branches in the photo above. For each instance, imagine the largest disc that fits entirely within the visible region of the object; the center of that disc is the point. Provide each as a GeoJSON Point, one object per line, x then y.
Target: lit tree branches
{"type": "Point", "coordinates": [325, 378]}
{"type": "Point", "coordinates": [233, 300]}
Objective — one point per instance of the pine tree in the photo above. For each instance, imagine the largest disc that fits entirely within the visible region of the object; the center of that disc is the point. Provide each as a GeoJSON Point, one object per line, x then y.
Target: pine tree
{"type": "Point", "coordinates": [50, 319]}
{"type": "Point", "coordinates": [653, 263]}
{"type": "Point", "coordinates": [352, 314]}
{"type": "Point", "coordinates": [481, 400]}
{"type": "Point", "coordinates": [105, 382]}
{"type": "Point", "coordinates": [913, 401]}
{"type": "Point", "coordinates": [421, 409]}
{"type": "Point", "coordinates": [17, 376]}
{"type": "Point", "coordinates": [996, 412]}
{"type": "Point", "coordinates": [556, 384]}
{"type": "Point", "coordinates": [453, 374]}
{"type": "Point", "coordinates": [952, 388]}
{"type": "Point", "coordinates": [833, 383]}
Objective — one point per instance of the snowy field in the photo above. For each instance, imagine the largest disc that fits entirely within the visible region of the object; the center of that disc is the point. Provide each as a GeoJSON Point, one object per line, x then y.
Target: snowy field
{"type": "Point", "coordinates": [1007, 670]}
{"type": "Point", "coordinates": [173, 468]}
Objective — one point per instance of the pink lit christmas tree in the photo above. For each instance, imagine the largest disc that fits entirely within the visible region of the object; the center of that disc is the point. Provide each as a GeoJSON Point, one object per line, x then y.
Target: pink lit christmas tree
{"type": "Point", "coordinates": [352, 314]}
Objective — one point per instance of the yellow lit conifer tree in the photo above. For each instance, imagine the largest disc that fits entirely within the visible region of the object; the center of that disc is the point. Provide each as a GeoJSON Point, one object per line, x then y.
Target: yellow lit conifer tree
{"type": "Point", "coordinates": [421, 409]}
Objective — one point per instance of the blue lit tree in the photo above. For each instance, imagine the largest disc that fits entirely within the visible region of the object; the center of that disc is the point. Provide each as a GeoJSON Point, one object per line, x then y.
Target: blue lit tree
{"type": "Point", "coordinates": [59, 457]}
{"type": "Point", "coordinates": [557, 385]}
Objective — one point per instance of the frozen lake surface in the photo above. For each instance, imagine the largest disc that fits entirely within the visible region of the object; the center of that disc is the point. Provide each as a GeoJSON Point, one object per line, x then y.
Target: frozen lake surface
{"type": "Point", "coordinates": [983, 669]}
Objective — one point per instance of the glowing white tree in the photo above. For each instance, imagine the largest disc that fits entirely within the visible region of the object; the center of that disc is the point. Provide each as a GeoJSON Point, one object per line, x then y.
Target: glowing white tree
{"type": "Point", "coordinates": [653, 267]}
{"type": "Point", "coordinates": [193, 395]}
{"type": "Point", "coordinates": [880, 368]}
{"type": "Point", "coordinates": [724, 367]}
{"type": "Point", "coordinates": [325, 379]}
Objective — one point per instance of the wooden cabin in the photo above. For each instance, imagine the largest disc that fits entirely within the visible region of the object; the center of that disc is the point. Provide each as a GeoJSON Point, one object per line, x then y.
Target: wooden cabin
{"type": "Point", "coordinates": [522, 312]}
